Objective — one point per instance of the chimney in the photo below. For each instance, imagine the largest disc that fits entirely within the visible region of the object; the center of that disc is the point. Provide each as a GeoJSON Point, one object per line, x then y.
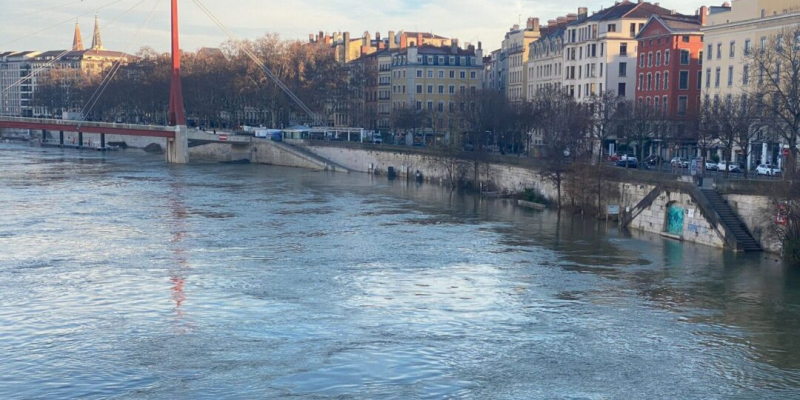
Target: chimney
{"type": "Point", "coordinates": [366, 40]}
{"type": "Point", "coordinates": [552, 24]}
{"type": "Point", "coordinates": [392, 44]}
{"type": "Point", "coordinates": [561, 22]}
{"type": "Point", "coordinates": [703, 14]}
{"type": "Point", "coordinates": [480, 46]}
{"type": "Point", "coordinates": [454, 46]}
{"type": "Point", "coordinates": [533, 24]}
{"type": "Point", "coordinates": [572, 17]}
{"type": "Point", "coordinates": [346, 47]}
{"type": "Point", "coordinates": [403, 41]}
{"type": "Point", "coordinates": [515, 27]}
{"type": "Point", "coordinates": [582, 13]}
{"type": "Point", "coordinates": [657, 4]}
{"type": "Point", "coordinates": [310, 38]}
{"type": "Point", "coordinates": [639, 1]}
{"type": "Point", "coordinates": [321, 35]}
{"type": "Point", "coordinates": [419, 39]}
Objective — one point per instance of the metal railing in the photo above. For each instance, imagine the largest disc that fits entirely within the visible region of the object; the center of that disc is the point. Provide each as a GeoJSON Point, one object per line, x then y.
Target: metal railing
{"type": "Point", "coordinates": [79, 124]}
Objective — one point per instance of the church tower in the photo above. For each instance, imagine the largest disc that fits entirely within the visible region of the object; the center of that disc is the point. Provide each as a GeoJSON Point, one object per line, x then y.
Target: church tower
{"type": "Point", "coordinates": [97, 42]}
{"type": "Point", "coordinates": [77, 41]}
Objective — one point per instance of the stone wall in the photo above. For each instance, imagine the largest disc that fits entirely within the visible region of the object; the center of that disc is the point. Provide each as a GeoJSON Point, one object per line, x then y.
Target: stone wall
{"type": "Point", "coordinates": [696, 227]}
{"type": "Point", "coordinates": [752, 210]}
{"type": "Point", "coordinates": [500, 177]}
{"type": "Point", "coordinates": [261, 152]}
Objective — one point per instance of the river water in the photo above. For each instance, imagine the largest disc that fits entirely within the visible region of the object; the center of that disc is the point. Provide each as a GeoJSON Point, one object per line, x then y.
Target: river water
{"type": "Point", "coordinates": [122, 277]}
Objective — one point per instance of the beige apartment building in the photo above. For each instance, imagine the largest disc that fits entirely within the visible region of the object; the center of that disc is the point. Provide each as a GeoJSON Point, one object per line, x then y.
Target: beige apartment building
{"type": "Point", "coordinates": [732, 32]}
{"type": "Point", "coordinates": [431, 78]}
{"type": "Point", "coordinates": [600, 50]}
{"type": "Point", "coordinates": [515, 50]}
{"type": "Point", "coordinates": [546, 57]}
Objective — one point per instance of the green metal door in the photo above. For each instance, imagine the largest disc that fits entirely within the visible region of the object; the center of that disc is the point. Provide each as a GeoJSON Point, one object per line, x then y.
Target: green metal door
{"type": "Point", "coordinates": [675, 219]}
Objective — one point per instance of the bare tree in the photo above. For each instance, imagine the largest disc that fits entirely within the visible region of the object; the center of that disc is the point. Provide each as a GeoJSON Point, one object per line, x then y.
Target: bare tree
{"type": "Point", "coordinates": [606, 119]}
{"type": "Point", "coordinates": [775, 81]}
{"type": "Point", "coordinates": [563, 124]}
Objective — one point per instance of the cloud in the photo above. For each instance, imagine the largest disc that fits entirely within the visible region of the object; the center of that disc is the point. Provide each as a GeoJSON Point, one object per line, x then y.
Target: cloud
{"type": "Point", "coordinates": [468, 20]}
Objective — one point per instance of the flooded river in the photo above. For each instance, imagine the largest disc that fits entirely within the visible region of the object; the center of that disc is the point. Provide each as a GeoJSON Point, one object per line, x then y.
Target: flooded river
{"type": "Point", "coordinates": [122, 277]}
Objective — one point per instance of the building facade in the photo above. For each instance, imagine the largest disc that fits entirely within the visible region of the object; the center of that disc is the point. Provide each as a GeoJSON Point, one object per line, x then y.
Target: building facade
{"type": "Point", "coordinates": [515, 48]}
{"type": "Point", "coordinates": [669, 71]}
{"type": "Point", "coordinates": [431, 78]}
{"type": "Point", "coordinates": [732, 33]}
{"type": "Point", "coordinates": [20, 72]}
{"type": "Point", "coordinates": [600, 50]}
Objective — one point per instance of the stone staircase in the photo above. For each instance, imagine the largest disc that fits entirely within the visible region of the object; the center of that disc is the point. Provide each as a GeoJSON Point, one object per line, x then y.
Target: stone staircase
{"type": "Point", "coordinates": [733, 225]}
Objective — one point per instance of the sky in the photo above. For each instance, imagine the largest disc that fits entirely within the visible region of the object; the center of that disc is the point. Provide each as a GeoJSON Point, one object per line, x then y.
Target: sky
{"type": "Point", "coordinates": [49, 24]}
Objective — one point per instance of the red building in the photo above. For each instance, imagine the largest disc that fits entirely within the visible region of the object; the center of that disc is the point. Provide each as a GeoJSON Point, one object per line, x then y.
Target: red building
{"type": "Point", "coordinates": [669, 69]}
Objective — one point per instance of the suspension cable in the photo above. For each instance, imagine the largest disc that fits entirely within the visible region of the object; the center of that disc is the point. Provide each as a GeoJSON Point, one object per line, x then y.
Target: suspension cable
{"type": "Point", "coordinates": [44, 10]}
{"type": "Point", "coordinates": [52, 62]}
{"type": "Point", "coordinates": [58, 24]}
{"type": "Point", "coordinates": [117, 64]}
{"type": "Point", "coordinates": [258, 62]}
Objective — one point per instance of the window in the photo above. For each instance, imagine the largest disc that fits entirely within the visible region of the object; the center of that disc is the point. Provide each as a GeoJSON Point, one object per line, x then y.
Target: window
{"type": "Point", "coordinates": [441, 74]}
{"type": "Point", "coordinates": [612, 27]}
{"type": "Point", "coordinates": [441, 89]}
{"type": "Point", "coordinates": [719, 51]}
{"type": "Point", "coordinates": [658, 81]}
{"type": "Point", "coordinates": [430, 73]}
{"type": "Point", "coordinates": [699, 79]}
{"type": "Point", "coordinates": [472, 75]}
{"type": "Point", "coordinates": [685, 39]}
{"type": "Point", "coordinates": [419, 89]}
{"type": "Point", "coordinates": [641, 61]}
{"type": "Point", "coordinates": [658, 59]}
{"type": "Point", "coordinates": [666, 105]}
{"type": "Point", "coordinates": [623, 69]}
{"type": "Point", "coordinates": [452, 74]}
{"type": "Point", "coordinates": [463, 74]}
{"type": "Point", "coordinates": [683, 80]}
{"type": "Point", "coordinates": [779, 43]}
{"type": "Point", "coordinates": [666, 80]}
{"type": "Point", "coordinates": [649, 82]}
{"type": "Point", "coordinates": [419, 73]}
{"type": "Point", "coordinates": [732, 49]}
{"type": "Point", "coordinates": [683, 104]}
{"type": "Point", "coordinates": [623, 49]}
{"type": "Point", "coordinates": [747, 47]}
{"type": "Point", "coordinates": [452, 89]}
{"type": "Point", "coordinates": [633, 29]}
{"type": "Point", "coordinates": [621, 89]}
{"type": "Point", "coordinates": [745, 74]}
{"type": "Point", "coordinates": [430, 106]}
{"type": "Point", "coordinates": [716, 78]}
{"type": "Point", "coordinates": [763, 44]}
{"type": "Point", "coordinates": [666, 57]}
{"type": "Point", "coordinates": [650, 59]}
{"type": "Point", "coordinates": [656, 106]}
{"type": "Point", "coordinates": [641, 82]}
{"type": "Point", "coordinates": [430, 89]}
{"type": "Point", "coordinates": [710, 51]}
{"type": "Point", "coordinates": [685, 55]}
{"type": "Point", "coordinates": [700, 58]}
{"type": "Point", "coordinates": [730, 76]}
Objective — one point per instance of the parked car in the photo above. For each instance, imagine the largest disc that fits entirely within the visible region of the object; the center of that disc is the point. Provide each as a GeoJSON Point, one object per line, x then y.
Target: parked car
{"type": "Point", "coordinates": [276, 137]}
{"type": "Point", "coordinates": [679, 162]}
{"type": "Point", "coordinates": [629, 163]}
{"type": "Point", "coordinates": [711, 166]}
{"type": "Point", "coordinates": [729, 166]}
{"type": "Point", "coordinates": [377, 138]}
{"type": "Point", "coordinates": [614, 157]}
{"type": "Point", "coordinates": [768, 170]}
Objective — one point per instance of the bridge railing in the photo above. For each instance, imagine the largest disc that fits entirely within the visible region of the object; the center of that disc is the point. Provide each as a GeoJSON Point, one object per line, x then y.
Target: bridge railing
{"type": "Point", "coordinates": [78, 124]}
